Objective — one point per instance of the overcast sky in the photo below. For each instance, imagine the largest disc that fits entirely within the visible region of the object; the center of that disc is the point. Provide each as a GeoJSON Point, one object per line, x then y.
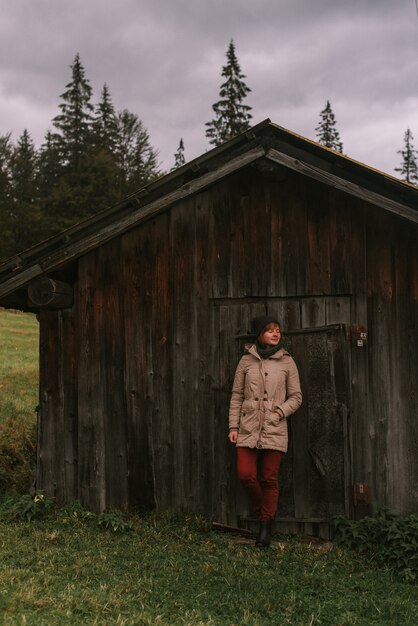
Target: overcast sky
{"type": "Point", "coordinates": [162, 59]}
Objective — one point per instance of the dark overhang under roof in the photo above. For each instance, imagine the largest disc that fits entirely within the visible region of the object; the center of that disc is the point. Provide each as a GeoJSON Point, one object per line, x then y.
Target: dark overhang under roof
{"type": "Point", "coordinates": [263, 141]}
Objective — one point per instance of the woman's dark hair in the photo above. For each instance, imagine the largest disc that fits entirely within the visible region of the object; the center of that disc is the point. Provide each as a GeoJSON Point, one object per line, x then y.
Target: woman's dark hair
{"type": "Point", "coordinates": [267, 327]}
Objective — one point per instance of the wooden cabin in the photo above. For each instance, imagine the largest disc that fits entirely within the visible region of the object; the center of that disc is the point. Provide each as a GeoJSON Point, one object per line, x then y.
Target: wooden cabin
{"type": "Point", "coordinates": [145, 307]}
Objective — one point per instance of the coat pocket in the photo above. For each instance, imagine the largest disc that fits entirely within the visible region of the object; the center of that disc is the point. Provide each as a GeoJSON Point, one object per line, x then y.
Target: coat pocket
{"type": "Point", "coordinates": [249, 422]}
{"type": "Point", "coordinates": [274, 413]}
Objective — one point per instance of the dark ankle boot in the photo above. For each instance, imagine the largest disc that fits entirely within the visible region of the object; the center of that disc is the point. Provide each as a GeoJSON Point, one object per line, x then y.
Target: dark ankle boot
{"type": "Point", "coordinates": [264, 536]}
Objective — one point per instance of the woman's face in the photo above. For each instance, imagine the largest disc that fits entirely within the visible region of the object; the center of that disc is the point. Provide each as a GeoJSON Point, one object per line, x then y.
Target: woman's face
{"type": "Point", "coordinates": [271, 335]}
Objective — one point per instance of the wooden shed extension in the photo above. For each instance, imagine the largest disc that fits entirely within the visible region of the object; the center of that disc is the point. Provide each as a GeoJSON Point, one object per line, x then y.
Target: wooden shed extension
{"type": "Point", "coordinates": [144, 306]}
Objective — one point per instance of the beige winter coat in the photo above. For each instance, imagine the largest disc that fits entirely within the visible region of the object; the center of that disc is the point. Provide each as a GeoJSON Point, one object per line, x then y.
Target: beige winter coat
{"type": "Point", "coordinates": [265, 392]}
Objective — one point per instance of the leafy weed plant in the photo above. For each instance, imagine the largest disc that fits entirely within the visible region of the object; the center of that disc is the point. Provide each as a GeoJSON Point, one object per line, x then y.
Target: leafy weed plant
{"type": "Point", "coordinates": [26, 507]}
{"type": "Point", "coordinates": [16, 507]}
{"type": "Point", "coordinates": [391, 540]}
{"type": "Point", "coordinates": [114, 521]}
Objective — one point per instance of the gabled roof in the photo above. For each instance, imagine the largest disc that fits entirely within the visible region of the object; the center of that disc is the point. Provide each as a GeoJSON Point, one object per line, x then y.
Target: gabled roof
{"type": "Point", "coordinates": [263, 141]}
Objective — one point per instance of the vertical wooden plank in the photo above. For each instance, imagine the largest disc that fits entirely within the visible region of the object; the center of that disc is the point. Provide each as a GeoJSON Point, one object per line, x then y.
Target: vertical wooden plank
{"type": "Point", "coordinates": [91, 433]}
{"type": "Point", "coordinates": [69, 395]}
{"type": "Point", "coordinates": [232, 501]}
{"type": "Point", "coordinates": [209, 424]}
{"type": "Point", "coordinates": [380, 322]}
{"type": "Point", "coordinates": [239, 248]}
{"type": "Point", "coordinates": [337, 310]}
{"type": "Point", "coordinates": [159, 320]}
{"type": "Point", "coordinates": [182, 253]}
{"type": "Point", "coordinates": [257, 236]}
{"type": "Point", "coordinates": [57, 426]}
{"type": "Point", "coordinates": [196, 351]}
{"type": "Point", "coordinates": [137, 258]}
{"type": "Point", "coordinates": [361, 411]}
{"type": "Point", "coordinates": [300, 431]}
{"type": "Point", "coordinates": [291, 318]}
{"type": "Point", "coordinates": [49, 477]}
{"type": "Point", "coordinates": [402, 430]}
{"type": "Point", "coordinates": [411, 363]}
{"type": "Point", "coordinates": [336, 428]}
{"type": "Point", "coordinates": [288, 210]}
{"type": "Point", "coordinates": [313, 312]}
{"type": "Point", "coordinates": [111, 395]}
{"type": "Point", "coordinates": [319, 270]}
{"type": "Point", "coordinates": [220, 236]}
{"type": "Point", "coordinates": [340, 242]}
{"type": "Point", "coordinates": [279, 200]}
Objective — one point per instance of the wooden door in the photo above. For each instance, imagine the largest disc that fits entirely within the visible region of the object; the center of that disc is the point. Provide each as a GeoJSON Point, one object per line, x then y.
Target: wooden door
{"type": "Point", "coordinates": [314, 477]}
{"type": "Point", "coordinates": [315, 474]}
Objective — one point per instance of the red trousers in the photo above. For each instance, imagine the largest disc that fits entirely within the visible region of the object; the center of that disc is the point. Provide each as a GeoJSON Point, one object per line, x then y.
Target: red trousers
{"type": "Point", "coordinates": [258, 471]}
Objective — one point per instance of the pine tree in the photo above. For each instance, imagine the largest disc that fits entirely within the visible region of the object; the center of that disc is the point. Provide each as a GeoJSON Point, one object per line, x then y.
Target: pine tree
{"type": "Point", "coordinates": [73, 198]}
{"type": "Point", "coordinates": [179, 158]}
{"type": "Point", "coordinates": [104, 168]}
{"type": "Point", "coordinates": [327, 133]}
{"type": "Point", "coordinates": [74, 124]}
{"type": "Point", "coordinates": [19, 198]}
{"type": "Point", "coordinates": [6, 193]}
{"type": "Point", "coordinates": [231, 115]}
{"type": "Point", "coordinates": [24, 219]}
{"type": "Point", "coordinates": [50, 163]}
{"type": "Point", "coordinates": [52, 186]}
{"type": "Point", "coordinates": [137, 159]}
{"type": "Point", "coordinates": [409, 167]}
{"type": "Point", "coordinates": [6, 149]}
{"type": "Point", "coordinates": [105, 123]}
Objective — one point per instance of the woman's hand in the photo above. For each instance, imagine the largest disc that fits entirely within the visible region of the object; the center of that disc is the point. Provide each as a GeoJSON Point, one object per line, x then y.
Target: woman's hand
{"type": "Point", "coordinates": [233, 436]}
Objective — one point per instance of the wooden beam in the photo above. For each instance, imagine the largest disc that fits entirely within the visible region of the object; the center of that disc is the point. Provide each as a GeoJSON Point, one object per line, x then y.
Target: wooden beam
{"type": "Point", "coordinates": [48, 293]}
{"type": "Point", "coordinates": [71, 251]}
{"type": "Point", "coordinates": [344, 185]}
{"type": "Point", "coordinates": [17, 281]}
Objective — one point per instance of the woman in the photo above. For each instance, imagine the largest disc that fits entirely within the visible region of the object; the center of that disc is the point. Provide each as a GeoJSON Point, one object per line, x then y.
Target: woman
{"type": "Point", "coordinates": [265, 392]}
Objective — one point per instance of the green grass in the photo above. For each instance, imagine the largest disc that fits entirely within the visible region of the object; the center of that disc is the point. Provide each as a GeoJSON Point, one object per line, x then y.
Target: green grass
{"type": "Point", "coordinates": [171, 570]}
{"type": "Point", "coordinates": [19, 346]}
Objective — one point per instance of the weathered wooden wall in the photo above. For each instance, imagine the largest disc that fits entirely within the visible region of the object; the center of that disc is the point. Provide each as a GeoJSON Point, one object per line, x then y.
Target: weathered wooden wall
{"type": "Point", "coordinates": [134, 378]}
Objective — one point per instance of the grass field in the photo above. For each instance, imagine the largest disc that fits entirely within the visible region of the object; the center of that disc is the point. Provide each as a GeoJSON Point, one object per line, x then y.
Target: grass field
{"type": "Point", "coordinates": [19, 341]}
{"type": "Point", "coordinates": [19, 345]}
{"type": "Point", "coordinates": [170, 569]}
